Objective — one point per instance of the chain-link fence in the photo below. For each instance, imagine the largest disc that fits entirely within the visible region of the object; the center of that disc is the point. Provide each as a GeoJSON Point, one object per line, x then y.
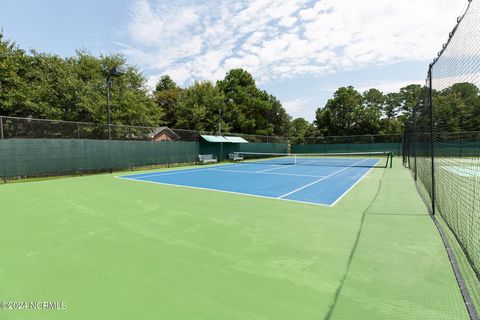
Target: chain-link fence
{"type": "Point", "coordinates": [355, 143]}
{"type": "Point", "coordinates": [442, 149]}
{"type": "Point", "coordinates": [29, 128]}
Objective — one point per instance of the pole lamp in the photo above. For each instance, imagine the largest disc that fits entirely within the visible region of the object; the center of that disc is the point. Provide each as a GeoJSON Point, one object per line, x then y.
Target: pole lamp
{"type": "Point", "coordinates": [114, 72]}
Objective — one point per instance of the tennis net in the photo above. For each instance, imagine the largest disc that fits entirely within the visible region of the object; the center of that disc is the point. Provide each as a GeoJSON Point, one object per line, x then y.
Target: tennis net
{"type": "Point", "coordinates": [353, 159]}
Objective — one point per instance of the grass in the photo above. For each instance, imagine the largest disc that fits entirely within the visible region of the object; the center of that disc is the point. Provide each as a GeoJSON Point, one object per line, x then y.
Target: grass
{"type": "Point", "coordinates": [119, 249]}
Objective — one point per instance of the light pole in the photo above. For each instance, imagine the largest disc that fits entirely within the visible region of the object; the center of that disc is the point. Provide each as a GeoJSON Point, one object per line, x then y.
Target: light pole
{"type": "Point", "coordinates": [114, 72]}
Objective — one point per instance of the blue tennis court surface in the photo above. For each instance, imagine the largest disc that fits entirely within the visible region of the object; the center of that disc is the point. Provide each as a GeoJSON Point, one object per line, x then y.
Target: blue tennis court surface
{"type": "Point", "coordinates": [321, 182]}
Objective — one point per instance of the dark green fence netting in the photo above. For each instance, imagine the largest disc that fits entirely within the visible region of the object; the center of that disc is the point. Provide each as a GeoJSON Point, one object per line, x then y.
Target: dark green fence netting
{"type": "Point", "coordinates": [34, 157]}
{"type": "Point", "coordinates": [264, 147]}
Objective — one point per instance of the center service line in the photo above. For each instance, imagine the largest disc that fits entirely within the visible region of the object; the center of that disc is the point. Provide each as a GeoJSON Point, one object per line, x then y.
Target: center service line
{"type": "Point", "coordinates": [317, 181]}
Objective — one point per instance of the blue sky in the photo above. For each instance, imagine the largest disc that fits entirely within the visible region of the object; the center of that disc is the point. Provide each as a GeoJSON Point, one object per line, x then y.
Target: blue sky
{"type": "Point", "coordinates": [298, 50]}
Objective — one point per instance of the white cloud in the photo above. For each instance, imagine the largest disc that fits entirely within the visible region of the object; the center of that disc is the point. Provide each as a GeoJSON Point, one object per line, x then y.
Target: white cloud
{"type": "Point", "coordinates": [283, 39]}
{"type": "Point", "coordinates": [387, 86]}
{"type": "Point", "coordinates": [299, 108]}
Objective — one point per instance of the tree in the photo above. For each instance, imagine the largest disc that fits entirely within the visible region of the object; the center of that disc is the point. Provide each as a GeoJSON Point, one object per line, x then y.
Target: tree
{"type": "Point", "coordinates": [409, 97]}
{"type": "Point", "coordinates": [278, 120]}
{"type": "Point", "coordinates": [339, 114]}
{"type": "Point", "coordinates": [165, 83]}
{"type": "Point", "coordinates": [312, 135]}
{"type": "Point", "coordinates": [457, 108]}
{"type": "Point", "coordinates": [324, 122]}
{"type": "Point", "coordinates": [367, 117]}
{"type": "Point", "coordinates": [302, 131]}
{"type": "Point", "coordinates": [14, 64]}
{"type": "Point", "coordinates": [199, 107]}
{"type": "Point", "coordinates": [390, 110]}
{"type": "Point", "coordinates": [249, 109]}
{"type": "Point", "coordinates": [373, 98]}
{"type": "Point", "coordinates": [42, 85]}
{"type": "Point", "coordinates": [298, 130]}
{"type": "Point", "coordinates": [167, 97]}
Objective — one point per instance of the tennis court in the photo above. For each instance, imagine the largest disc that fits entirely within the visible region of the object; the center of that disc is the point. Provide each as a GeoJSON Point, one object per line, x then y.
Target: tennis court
{"type": "Point", "coordinates": [122, 249]}
{"type": "Point", "coordinates": [316, 180]}
{"type": "Point", "coordinates": [276, 193]}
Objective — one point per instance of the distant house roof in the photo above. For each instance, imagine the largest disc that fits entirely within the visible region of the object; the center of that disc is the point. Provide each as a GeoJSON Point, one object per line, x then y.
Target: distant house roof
{"type": "Point", "coordinates": [160, 130]}
{"type": "Point", "coordinates": [227, 139]}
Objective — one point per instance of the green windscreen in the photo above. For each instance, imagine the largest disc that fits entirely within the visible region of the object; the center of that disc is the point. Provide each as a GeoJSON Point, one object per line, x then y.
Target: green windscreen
{"type": "Point", "coordinates": [33, 157]}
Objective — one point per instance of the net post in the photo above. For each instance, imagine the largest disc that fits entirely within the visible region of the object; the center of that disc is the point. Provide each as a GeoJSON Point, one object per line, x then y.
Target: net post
{"type": "Point", "coordinates": [390, 155]}
{"type": "Point", "coordinates": [430, 106]}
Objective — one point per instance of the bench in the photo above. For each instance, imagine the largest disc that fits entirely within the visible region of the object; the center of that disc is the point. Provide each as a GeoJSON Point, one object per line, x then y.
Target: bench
{"type": "Point", "coordinates": [235, 156]}
{"type": "Point", "coordinates": [206, 158]}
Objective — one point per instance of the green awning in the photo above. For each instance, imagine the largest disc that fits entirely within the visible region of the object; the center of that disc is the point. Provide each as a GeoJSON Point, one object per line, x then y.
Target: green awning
{"type": "Point", "coordinates": [236, 139]}
{"type": "Point", "coordinates": [216, 139]}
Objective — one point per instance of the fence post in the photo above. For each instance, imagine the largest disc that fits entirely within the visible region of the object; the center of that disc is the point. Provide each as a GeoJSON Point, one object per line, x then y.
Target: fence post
{"type": "Point", "coordinates": [3, 162]}
{"type": "Point", "coordinates": [431, 135]}
{"type": "Point", "coordinates": [78, 130]}
{"type": "Point", "coordinates": [415, 140]}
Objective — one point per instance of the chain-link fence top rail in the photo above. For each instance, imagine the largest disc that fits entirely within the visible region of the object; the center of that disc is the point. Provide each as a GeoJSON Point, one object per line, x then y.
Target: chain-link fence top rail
{"type": "Point", "coordinates": [22, 140]}
{"type": "Point", "coordinates": [29, 128]}
{"type": "Point", "coordinates": [15, 127]}
{"type": "Point", "coordinates": [368, 138]}
{"type": "Point", "coordinates": [442, 138]}
{"type": "Point", "coordinates": [355, 143]}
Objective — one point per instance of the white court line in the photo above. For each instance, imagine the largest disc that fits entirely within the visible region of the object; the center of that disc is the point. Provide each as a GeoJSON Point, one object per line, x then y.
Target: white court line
{"type": "Point", "coordinates": [224, 191]}
{"type": "Point", "coordinates": [308, 162]}
{"type": "Point", "coordinates": [286, 166]}
{"type": "Point", "coordinates": [317, 181]}
{"type": "Point", "coordinates": [175, 171]}
{"type": "Point", "coordinates": [269, 173]}
{"type": "Point", "coordinates": [361, 178]}
{"type": "Point", "coordinates": [248, 194]}
{"type": "Point", "coordinates": [276, 168]}
{"type": "Point", "coordinates": [162, 173]}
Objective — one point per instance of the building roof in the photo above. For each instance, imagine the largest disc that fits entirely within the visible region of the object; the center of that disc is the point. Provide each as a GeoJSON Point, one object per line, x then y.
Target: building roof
{"type": "Point", "coordinates": [227, 139]}
{"type": "Point", "coordinates": [215, 139]}
{"type": "Point", "coordinates": [235, 139]}
{"type": "Point", "coordinates": [159, 130]}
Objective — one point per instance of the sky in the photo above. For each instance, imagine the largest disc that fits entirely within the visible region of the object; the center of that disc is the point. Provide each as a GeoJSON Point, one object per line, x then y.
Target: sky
{"type": "Point", "coordinates": [300, 51]}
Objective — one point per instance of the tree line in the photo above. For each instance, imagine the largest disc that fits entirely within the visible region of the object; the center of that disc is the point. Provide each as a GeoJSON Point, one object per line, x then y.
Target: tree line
{"type": "Point", "coordinates": [47, 86]}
